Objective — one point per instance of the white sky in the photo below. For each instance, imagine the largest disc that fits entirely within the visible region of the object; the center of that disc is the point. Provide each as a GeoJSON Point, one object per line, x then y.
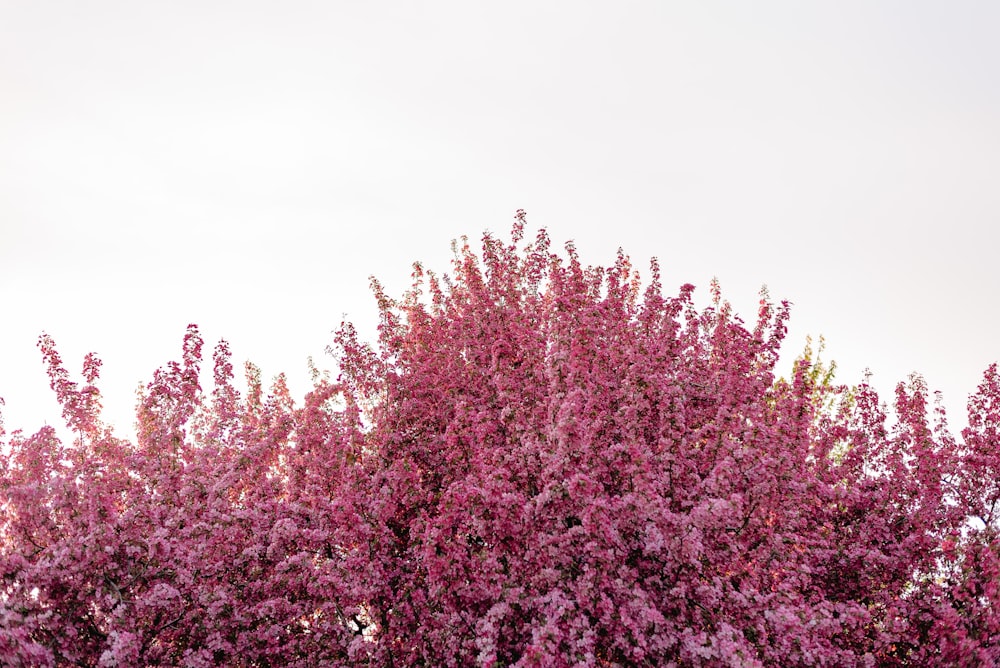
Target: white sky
{"type": "Point", "coordinates": [247, 165]}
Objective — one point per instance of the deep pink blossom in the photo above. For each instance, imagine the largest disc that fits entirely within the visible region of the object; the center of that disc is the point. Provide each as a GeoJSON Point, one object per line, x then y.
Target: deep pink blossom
{"type": "Point", "coordinates": [539, 463]}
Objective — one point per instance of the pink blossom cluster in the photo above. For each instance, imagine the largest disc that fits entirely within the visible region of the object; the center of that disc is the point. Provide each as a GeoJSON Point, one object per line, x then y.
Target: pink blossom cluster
{"type": "Point", "coordinates": [538, 464]}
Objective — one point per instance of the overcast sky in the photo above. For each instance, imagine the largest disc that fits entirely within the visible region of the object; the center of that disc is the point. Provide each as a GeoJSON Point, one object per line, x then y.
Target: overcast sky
{"type": "Point", "coordinates": [247, 165]}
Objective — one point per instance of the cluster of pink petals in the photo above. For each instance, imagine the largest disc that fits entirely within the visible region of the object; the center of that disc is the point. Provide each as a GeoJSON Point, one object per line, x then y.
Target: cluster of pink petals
{"type": "Point", "coordinates": [539, 464]}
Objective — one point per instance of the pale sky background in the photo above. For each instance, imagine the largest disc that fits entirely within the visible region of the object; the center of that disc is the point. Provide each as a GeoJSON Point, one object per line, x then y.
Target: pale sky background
{"type": "Point", "coordinates": [247, 165]}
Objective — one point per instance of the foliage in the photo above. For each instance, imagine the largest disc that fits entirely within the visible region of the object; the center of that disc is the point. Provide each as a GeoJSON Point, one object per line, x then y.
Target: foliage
{"type": "Point", "coordinates": [539, 464]}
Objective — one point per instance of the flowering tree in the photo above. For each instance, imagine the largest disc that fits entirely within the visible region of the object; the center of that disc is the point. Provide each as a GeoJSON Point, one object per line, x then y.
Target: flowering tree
{"type": "Point", "coordinates": [540, 463]}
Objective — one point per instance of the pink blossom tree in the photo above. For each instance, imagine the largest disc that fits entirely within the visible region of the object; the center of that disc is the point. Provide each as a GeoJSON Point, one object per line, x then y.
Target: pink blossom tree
{"type": "Point", "coordinates": [539, 463]}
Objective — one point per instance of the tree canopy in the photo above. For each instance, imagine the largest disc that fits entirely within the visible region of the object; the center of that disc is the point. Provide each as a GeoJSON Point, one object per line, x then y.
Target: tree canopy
{"type": "Point", "coordinates": [538, 463]}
